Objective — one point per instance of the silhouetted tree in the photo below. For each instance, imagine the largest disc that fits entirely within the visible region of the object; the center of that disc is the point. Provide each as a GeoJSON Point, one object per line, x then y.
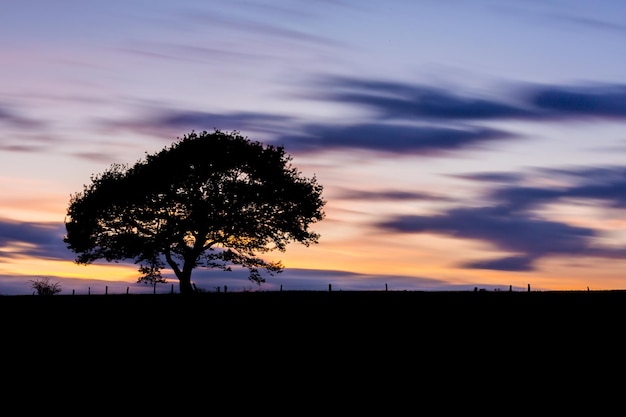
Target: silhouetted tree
{"type": "Point", "coordinates": [43, 286]}
{"type": "Point", "coordinates": [211, 199]}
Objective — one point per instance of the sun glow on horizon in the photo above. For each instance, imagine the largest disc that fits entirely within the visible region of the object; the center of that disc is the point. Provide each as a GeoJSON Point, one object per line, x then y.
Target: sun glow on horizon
{"type": "Point", "coordinates": [26, 266]}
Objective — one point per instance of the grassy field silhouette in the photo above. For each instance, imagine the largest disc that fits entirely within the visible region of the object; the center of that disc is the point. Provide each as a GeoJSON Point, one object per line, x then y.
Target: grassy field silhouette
{"type": "Point", "coordinates": [351, 336]}
{"type": "Point", "coordinates": [330, 308]}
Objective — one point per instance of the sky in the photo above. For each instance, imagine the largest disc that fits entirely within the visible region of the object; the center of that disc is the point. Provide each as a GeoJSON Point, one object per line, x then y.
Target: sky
{"type": "Point", "coordinates": [460, 144]}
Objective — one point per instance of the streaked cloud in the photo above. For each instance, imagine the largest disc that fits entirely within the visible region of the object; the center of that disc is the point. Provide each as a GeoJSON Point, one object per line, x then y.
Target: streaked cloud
{"type": "Point", "coordinates": [169, 122]}
{"type": "Point", "coordinates": [428, 121]}
{"type": "Point", "coordinates": [402, 100]}
{"type": "Point", "coordinates": [608, 101]}
{"type": "Point", "coordinates": [413, 101]}
{"type": "Point", "coordinates": [388, 195]}
{"type": "Point", "coordinates": [32, 239]}
{"type": "Point", "coordinates": [378, 137]}
{"type": "Point", "coordinates": [511, 224]}
{"type": "Point", "coordinates": [258, 25]}
{"type": "Point", "coordinates": [299, 279]}
{"type": "Point", "coordinates": [607, 184]}
{"type": "Point", "coordinates": [392, 139]}
{"type": "Point", "coordinates": [13, 118]}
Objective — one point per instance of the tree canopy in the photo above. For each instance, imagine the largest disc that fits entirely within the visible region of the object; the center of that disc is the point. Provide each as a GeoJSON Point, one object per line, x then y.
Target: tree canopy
{"type": "Point", "coordinates": [210, 199]}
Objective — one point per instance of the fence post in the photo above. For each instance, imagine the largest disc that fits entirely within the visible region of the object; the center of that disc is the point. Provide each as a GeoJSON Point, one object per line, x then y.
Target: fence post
{"type": "Point", "coordinates": [88, 290]}
{"type": "Point", "coordinates": [106, 290]}
{"type": "Point", "coordinates": [172, 290]}
{"type": "Point", "coordinates": [330, 287]}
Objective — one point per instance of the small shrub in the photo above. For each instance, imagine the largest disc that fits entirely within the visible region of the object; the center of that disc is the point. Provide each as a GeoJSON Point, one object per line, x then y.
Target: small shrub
{"type": "Point", "coordinates": [43, 286]}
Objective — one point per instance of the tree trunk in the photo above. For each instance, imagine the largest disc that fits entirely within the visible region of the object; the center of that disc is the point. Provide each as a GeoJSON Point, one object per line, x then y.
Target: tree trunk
{"type": "Point", "coordinates": [183, 275]}
{"type": "Point", "coordinates": [184, 279]}
{"type": "Point", "coordinates": [185, 287]}
{"type": "Point", "coordinates": [185, 284]}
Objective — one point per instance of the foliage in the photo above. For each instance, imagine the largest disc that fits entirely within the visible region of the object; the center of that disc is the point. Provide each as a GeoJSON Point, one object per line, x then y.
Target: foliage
{"type": "Point", "coordinates": [211, 199]}
{"type": "Point", "coordinates": [43, 286]}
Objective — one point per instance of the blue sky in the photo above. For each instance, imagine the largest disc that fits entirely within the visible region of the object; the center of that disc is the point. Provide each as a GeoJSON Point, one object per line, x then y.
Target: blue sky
{"type": "Point", "coordinates": [460, 144]}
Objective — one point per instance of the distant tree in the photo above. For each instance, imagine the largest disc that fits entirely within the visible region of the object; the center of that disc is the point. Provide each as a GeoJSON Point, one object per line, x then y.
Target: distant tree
{"type": "Point", "coordinates": [210, 199]}
{"type": "Point", "coordinates": [151, 276]}
{"type": "Point", "coordinates": [43, 286]}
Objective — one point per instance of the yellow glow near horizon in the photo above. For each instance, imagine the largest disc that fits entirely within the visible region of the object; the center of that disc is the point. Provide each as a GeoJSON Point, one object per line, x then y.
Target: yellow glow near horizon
{"type": "Point", "coordinates": [25, 266]}
{"type": "Point", "coordinates": [441, 258]}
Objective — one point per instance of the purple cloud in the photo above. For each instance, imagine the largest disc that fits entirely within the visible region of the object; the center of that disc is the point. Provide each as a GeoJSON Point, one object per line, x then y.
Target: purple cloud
{"type": "Point", "coordinates": [522, 234]}
{"type": "Point", "coordinates": [409, 105]}
{"type": "Point", "coordinates": [599, 101]}
{"type": "Point", "coordinates": [12, 118]}
{"type": "Point", "coordinates": [403, 100]}
{"type": "Point", "coordinates": [392, 139]}
{"type": "Point", "coordinates": [605, 184]}
{"type": "Point", "coordinates": [417, 102]}
{"type": "Point", "coordinates": [168, 122]}
{"type": "Point", "coordinates": [509, 263]}
{"type": "Point", "coordinates": [42, 240]}
{"type": "Point", "coordinates": [389, 195]}
{"type": "Point", "coordinates": [511, 225]}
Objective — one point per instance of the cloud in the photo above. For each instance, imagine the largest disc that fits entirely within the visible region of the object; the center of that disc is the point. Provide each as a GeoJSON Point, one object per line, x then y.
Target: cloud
{"type": "Point", "coordinates": [519, 233]}
{"type": "Point", "coordinates": [202, 119]}
{"type": "Point", "coordinates": [510, 263]}
{"type": "Point", "coordinates": [14, 119]}
{"type": "Point", "coordinates": [554, 15]}
{"type": "Point", "coordinates": [492, 177]}
{"type": "Point", "coordinates": [297, 279]}
{"type": "Point", "coordinates": [168, 122]}
{"type": "Point", "coordinates": [189, 53]}
{"type": "Point", "coordinates": [409, 101]}
{"type": "Point", "coordinates": [22, 148]}
{"type": "Point", "coordinates": [600, 24]}
{"type": "Point", "coordinates": [258, 25]}
{"type": "Point", "coordinates": [520, 198]}
{"type": "Point", "coordinates": [100, 157]}
{"type": "Point", "coordinates": [389, 195]}
{"type": "Point", "coordinates": [376, 136]}
{"type": "Point", "coordinates": [409, 119]}
{"type": "Point", "coordinates": [391, 139]}
{"type": "Point", "coordinates": [404, 100]}
{"type": "Point", "coordinates": [511, 225]}
{"type": "Point", "coordinates": [42, 240]}
{"type": "Point", "coordinates": [608, 101]}
{"type": "Point", "coordinates": [607, 184]}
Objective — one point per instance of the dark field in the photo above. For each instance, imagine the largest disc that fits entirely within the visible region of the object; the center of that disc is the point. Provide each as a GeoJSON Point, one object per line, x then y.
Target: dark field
{"type": "Point", "coordinates": [295, 311]}
{"type": "Point", "coordinates": [280, 340]}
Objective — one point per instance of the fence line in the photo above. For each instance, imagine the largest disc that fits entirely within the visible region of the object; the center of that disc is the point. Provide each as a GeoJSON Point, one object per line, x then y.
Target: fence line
{"type": "Point", "coordinates": [225, 289]}
{"type": "Point", "coordinates": [107, 292]}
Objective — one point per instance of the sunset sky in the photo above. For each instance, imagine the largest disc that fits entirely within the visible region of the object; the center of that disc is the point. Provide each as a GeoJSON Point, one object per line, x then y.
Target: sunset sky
{"type": "Point", "coordinates": [460, 144]}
